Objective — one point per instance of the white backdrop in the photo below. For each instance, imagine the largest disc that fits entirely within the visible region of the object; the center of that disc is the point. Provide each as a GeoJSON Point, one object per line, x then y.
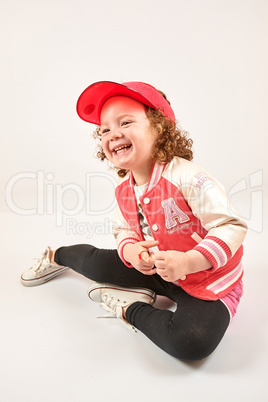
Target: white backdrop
{"type": "Point", "coordinates": [208, 56]}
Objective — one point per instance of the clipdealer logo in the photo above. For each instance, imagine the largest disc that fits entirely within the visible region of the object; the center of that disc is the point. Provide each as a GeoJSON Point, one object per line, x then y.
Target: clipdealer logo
{"type": "Point", "coordinates": [50, 198]}
{"type": "Point", "coordinates": [251, 189]}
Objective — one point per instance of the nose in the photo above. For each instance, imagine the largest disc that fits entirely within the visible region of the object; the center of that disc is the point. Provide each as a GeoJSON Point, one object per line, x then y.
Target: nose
{"type": "Point", "coordinates": [115, 134]}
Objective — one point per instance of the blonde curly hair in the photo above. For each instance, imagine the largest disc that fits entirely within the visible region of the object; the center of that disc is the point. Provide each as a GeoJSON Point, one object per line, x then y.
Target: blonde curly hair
{"type": "Point", "coordinates": [170, 141]}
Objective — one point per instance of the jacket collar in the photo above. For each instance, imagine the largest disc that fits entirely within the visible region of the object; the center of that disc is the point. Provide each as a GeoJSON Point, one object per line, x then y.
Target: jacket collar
{"type": "Point", "coordinates": [156, 173]}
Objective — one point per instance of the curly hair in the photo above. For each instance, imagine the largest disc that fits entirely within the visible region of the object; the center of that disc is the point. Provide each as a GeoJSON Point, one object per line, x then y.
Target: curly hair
{"type": "Point", "coordinates": [170, 141]}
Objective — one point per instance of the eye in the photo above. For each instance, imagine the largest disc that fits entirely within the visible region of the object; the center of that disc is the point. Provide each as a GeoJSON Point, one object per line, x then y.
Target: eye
{"type": "Point", "coordinates": [105, 131]}
{"type": "Point", "coordinates": [126, 123]}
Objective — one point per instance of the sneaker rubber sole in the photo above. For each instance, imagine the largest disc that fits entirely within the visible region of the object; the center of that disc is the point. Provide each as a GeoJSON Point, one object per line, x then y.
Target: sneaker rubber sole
{"type": "Point", "coordinates": [42, 279]}
{"type": "Point", "coordinates": [94, 294]}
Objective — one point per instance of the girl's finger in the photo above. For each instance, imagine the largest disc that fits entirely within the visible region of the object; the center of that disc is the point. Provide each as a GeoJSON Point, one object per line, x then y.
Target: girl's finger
{"type": "Point", "coordinates": [160, 264]}
{"type": "Point", "coordinates": [148, 271]}
{"type": "Point", "coordinates": [152, 256]}
{"type": "Point", "coordinates": [143, 255]}
{"type": "Point", "coordinates": [148, 243]}
{"type": "Point", "coordinates": [161, 273]}
{"type": "Point", "coordinates": [160, 255]}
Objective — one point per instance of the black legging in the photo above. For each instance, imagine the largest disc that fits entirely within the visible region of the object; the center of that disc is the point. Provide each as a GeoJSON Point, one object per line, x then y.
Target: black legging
{"type": "Point", "coordinates": [192, 332]}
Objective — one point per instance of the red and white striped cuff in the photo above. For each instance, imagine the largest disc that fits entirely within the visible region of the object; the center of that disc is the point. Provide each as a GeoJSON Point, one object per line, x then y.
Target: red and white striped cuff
{"type": "Point", "coordinates": [121, 246]}
{"type": "Point", "coordinates": [215, 250]}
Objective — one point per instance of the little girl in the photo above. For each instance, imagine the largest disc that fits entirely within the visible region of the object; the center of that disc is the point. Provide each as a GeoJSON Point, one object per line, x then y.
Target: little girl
{"type": "Point", "coordinates": [176, 233]}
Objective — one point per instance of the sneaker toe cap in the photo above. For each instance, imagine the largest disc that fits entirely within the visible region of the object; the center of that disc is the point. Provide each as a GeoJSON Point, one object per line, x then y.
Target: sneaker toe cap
{"type": "Point", "coordinates": [28, 275]}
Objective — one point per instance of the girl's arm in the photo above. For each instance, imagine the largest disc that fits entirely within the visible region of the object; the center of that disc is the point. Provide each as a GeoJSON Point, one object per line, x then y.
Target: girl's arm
{"type": "Point", "coordinates": [129, 246]}
{"type": "Point", "coordinates": [209, 202]}
{"type": "Point", "coordinates": [225, 228]}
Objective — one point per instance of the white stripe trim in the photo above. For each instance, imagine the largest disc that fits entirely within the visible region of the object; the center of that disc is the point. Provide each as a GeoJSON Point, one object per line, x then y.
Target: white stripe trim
{"type": "Point", "coordinates": [212, 252]}
{"type": "Point", "coordinates": [219, 249]}
{"type": "Point", "coordinates": [228, 283]}
{"type": "Point", "coordinates": [156, 175]}
{"type": "Point", "coordinates": [126, 241]}
{"type": "Point", "coordinates": [223, 279]}
{"type": "Point", "coordinates": [196, 237]}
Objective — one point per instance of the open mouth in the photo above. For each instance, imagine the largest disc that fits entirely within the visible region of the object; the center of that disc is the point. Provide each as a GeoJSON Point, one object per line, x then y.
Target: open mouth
{"type": "Point", "coordinates": [122, 149]}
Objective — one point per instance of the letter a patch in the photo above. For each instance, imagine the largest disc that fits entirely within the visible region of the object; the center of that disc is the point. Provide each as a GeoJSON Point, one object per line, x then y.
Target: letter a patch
{"type": "Point", "coordinates": [173, 212]}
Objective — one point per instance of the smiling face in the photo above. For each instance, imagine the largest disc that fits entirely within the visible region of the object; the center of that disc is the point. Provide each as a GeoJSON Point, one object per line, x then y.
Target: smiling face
{"type": "Point", "coordinates": [126, 137]}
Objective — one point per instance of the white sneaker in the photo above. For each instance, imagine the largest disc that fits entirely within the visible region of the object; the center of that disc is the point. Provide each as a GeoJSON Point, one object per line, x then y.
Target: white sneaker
{"type": "Point", "coordinates": [113, 298]}
{"type": "Point", "coordinates": [42, 271]}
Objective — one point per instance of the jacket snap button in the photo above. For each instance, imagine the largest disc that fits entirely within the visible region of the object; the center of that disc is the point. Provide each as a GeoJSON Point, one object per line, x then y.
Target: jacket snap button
{"type": "Point", "coordinates": [146, 200]}
{"type": "Point", "coordinates": [155, 227]}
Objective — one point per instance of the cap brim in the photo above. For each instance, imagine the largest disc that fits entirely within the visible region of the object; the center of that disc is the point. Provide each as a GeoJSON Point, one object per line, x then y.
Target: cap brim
{"type": "Point", "coordinates": [91, 100]}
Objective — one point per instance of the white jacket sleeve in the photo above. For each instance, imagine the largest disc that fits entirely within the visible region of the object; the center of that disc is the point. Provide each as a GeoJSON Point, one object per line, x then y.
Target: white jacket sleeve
{"type": "Point", "coordinates": [210, 204]}
{"type": "Point", "coordinates": [123, 234]}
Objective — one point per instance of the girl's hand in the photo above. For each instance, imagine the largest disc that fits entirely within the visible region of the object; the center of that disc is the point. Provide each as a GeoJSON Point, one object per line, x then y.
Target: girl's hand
{"type": "Point", "coordinates": [171, 265]}
{"type": "Point", "coordinates": [174, 265]}
{"type": "Point", "coordinates": [131, 254]}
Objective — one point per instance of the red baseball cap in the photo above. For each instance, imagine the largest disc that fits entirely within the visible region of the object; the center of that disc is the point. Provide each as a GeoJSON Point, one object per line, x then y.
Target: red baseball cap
{"type": "Point", "coordinates": [92, 99]}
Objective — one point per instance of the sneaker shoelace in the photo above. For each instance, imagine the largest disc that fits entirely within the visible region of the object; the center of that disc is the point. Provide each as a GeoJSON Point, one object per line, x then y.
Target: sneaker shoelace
{"type": "Point", "coordinates": [109, 303]}
{"type": "Point", "coordinates": [39, 263]}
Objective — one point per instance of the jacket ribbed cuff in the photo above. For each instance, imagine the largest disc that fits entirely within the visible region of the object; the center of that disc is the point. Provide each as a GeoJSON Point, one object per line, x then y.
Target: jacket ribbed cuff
{"type": "Point", "coordinates": [121, 246]}
{"type": "Point", "coordinates": [215, 250]}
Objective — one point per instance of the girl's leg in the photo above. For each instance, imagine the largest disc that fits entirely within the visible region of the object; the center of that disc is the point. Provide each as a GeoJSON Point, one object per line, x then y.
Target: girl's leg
{"type": "Point", "coordinates": [192, 332]}
{"type": "Point", "coordinates": [105, 266]}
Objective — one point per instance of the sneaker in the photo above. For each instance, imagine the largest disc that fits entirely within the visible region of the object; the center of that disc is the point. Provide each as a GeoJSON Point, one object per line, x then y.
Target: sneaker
{"type": "Point", "coordinates": [113, 298]}
{"type": "Point", "coordinates": [42, 271]}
